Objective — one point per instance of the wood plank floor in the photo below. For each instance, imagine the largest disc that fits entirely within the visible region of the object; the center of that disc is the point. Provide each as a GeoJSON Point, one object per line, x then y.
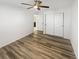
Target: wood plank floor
{"type": "Point", "coordinates": [38, 46]}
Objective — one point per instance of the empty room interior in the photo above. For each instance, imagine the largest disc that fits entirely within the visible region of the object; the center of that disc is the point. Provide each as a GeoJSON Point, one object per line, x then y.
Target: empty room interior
{"type": "Point", "coordinates": [38, 29]}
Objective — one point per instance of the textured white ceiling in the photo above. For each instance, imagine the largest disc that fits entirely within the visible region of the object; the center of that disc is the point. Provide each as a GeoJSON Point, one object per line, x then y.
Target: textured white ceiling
{"type": "Point", "coordinates": [52, 3]}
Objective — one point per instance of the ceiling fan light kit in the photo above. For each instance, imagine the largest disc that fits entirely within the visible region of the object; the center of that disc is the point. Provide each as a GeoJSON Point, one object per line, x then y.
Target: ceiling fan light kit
{"type": "Point", "coordinates": [37, 5]}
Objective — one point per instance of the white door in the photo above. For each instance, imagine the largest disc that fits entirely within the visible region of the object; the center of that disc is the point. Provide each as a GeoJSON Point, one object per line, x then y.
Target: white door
{"type": "Point", "coordinates": [39, 22]}
{"type": "Point", "coordinates": [59, 26]}
{"type": "Point", "coordinates": [50, 24]}
{"type": "Point", "coordinates": [54, 24]}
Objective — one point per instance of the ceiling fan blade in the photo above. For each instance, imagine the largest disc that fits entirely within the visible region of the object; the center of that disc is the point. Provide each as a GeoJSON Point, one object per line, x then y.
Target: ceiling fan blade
{"type": "Point", "coordinates": [44, 6]}
{"type": "Point", "coordinates": [26, 4]}
{"type": "Point", "coordinates": [29, 7]}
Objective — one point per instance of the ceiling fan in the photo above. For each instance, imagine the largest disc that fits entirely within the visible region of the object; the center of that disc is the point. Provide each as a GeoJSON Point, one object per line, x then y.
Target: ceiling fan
{"type": "Point", "coordinates": [37, 5]}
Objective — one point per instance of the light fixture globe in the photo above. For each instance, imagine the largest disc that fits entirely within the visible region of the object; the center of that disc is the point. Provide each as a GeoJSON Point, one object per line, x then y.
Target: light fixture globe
{"type": "Point", "coordinates": [36, 7]}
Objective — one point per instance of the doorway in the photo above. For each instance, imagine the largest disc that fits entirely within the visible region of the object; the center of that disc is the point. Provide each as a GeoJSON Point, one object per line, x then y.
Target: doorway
{"type": "Point", "coordinates": [38, 23]}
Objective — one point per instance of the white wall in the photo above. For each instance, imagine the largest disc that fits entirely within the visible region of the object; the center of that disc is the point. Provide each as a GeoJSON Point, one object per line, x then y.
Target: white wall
{"type": "Point", "coordinates": [74, 39]}
{"type": "Point", "coordinates": [67, 23]}
{"type": "Point", "coordinates": [15, 23]}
